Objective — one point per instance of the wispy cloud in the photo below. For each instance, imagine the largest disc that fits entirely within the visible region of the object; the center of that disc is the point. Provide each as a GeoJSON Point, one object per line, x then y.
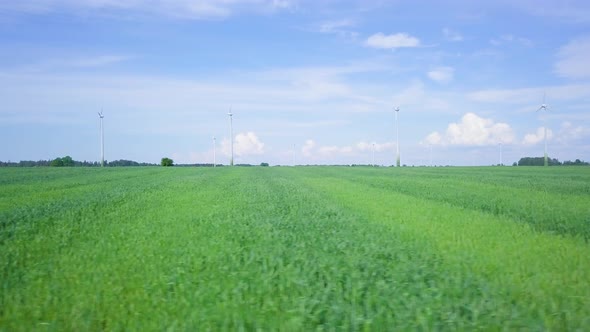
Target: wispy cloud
{"type": "Point", "coordinates": [341, 28]}
{"type": "Point", "coordinates": [570, 133]}
{"type": "Point", "coordinates": [72, 62]}
{"type": "Point", "coordinates": [573, 59]}
{"type": "Point", "coordinates": [397, 40]}
{"type": "Point", "coordinates": [532, 96]}
{"type": "Point", "coordinates": [573, 11]}
{"type": "Point", "coordinates": [511, 39]}
{"type": "Point", "coordinates": [442, 74]}
{"type": "Point", "coordinates": [317, 152]}
{"type": "Point", "coordinates": [298, 90]}
{"type": "Point", "coordinates": [101, 60]}
{"type": "Point", "coordinates": [452, 35]}
{"type": "Point", "coordinates": [187, 9]}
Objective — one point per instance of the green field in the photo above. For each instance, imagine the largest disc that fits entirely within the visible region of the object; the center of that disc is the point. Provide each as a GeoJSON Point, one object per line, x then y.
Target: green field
{"type": "Point", "coordinates": [306, 248]}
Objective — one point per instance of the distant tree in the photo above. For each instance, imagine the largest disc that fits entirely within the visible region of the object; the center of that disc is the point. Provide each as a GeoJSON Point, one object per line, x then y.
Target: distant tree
{"type": "Point", "coordinates": [57, 162]}
{"type": "Point", "coordinates": [167, 162]}
{"type": "Point", "coordinates": [264, 164]}
{"type": "Point", "coordinates": [123, 162]}
{"type": "Point", "coordinates": [67, 161]}
{"type": "Point", "coordinates": [514, 164]}
{"type": "Point", "coordinates": [576, 162]}
{"type": "Point", "coordinates": [538, 161]}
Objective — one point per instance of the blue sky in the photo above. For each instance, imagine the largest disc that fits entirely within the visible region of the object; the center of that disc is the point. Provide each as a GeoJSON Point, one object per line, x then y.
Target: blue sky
{"type": "Point", "coordinates": [310, 82]}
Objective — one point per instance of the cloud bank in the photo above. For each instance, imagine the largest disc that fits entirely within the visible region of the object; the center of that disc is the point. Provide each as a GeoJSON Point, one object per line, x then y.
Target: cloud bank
{"type": "Point", "coordinates": [472, 130]}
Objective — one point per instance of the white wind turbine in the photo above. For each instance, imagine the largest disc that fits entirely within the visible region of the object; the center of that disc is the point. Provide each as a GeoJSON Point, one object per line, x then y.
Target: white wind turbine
{"type": "Point", "coordinates": [231, 136]}
{"type": "Point", "coordinates": [214, 148]}
{"type": "Point", "coordinates": [101, 116]}
{"type": "Point", "coordinates": [397, 161]}
{"type": "Point", "coordinates": [544, 107]}
{"type": "Point", "coordinates": [373, 154]}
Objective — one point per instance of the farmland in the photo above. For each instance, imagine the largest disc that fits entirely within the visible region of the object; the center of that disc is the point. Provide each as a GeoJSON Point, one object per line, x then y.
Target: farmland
{"type": "Point", "coordinates": [305, 248]}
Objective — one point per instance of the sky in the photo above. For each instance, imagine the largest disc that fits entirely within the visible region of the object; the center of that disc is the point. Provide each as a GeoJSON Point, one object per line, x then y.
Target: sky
{"type": "Point", "coordinates": [308, 82]}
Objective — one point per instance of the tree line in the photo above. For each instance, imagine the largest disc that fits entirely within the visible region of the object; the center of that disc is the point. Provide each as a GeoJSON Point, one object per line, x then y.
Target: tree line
{"type": "Point", "coordinates": [540, 161]}
{"type": "Point", "coordinates": [67, 161]}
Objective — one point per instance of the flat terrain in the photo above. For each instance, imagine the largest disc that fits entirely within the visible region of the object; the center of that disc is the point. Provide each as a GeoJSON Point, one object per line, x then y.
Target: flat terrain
{"type": "Point", "coordinates": [305, 248]}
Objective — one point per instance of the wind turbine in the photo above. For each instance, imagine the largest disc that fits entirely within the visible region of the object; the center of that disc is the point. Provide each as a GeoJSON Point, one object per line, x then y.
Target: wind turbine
{"type": "Point", "coordinates": [101, 116]}
{"type": "Point", "coordinates": [544, 107]}
{"type": "Point", "coordinates": [397, 163]}
{"type": "Point", "coordinates": [373, 154]}
{"type": "Point", "coordinates": [214, 147]}
{"type": "Point", "coordinates": [231, 136]}
{"type": "Point", "coordinates": [501, 152]}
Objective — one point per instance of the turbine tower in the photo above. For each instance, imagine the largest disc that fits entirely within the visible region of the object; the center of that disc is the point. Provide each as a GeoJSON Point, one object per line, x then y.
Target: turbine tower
{"type": "Point", "coordinates": [214, 147]}
{"type": "Point", "coordinates": [231, 136]}
{"type": "Point", "coordinates": [501, 155]}
{"type": "Point", "coordinates": [101, 116]}
{"type": "Point", "coordinates": [373, 154]}
{"type": "Point", "coordinates": [544, 107]}
{"type": "Point", "coordinates": [397, 163]}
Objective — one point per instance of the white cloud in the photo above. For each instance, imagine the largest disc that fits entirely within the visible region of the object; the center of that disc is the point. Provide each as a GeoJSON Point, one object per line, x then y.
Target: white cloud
{"type": "Point", "coordinates": [248, 144]}
{"type": "Point", "coordinates": [442, 74]}
{"type": "Point", "coordinates": [473, 131]}
{"type": "Point", "coordinates": [245, 144]}
{"type": "Point", "coordinates": [397, 40]}
{"type": "Point", "coordinates": [511, 39]}
{"type": "Point", "coordinates": [451, 35]}
{"type": "Point", "coordinates": [573, 59]}
{"type": "Point", "coordinates": [308, 147]}
{"type": "Point", "coordinates": [538, 136]}
{"type": "Point", "coordinates": [434, 139]}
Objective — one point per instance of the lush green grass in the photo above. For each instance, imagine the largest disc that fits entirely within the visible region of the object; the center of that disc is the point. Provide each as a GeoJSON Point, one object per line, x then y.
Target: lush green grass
{"type": "Point", "coordinates": [318, 248]}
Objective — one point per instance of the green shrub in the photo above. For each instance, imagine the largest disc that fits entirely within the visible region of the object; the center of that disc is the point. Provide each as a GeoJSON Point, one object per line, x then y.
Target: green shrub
{"type": "Point", "coordinates": [167, 162]}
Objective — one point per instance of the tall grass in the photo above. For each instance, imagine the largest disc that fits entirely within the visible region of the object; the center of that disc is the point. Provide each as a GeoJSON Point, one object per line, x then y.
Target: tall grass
{"type": "Point", "coordinates": [290, 249]}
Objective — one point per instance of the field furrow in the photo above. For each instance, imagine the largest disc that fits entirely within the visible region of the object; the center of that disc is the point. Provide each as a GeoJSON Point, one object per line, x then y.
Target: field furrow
{"type": "Point", "coordinates": [550, 211]}
{"type": "Point", "coordinates": [541, 272]}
